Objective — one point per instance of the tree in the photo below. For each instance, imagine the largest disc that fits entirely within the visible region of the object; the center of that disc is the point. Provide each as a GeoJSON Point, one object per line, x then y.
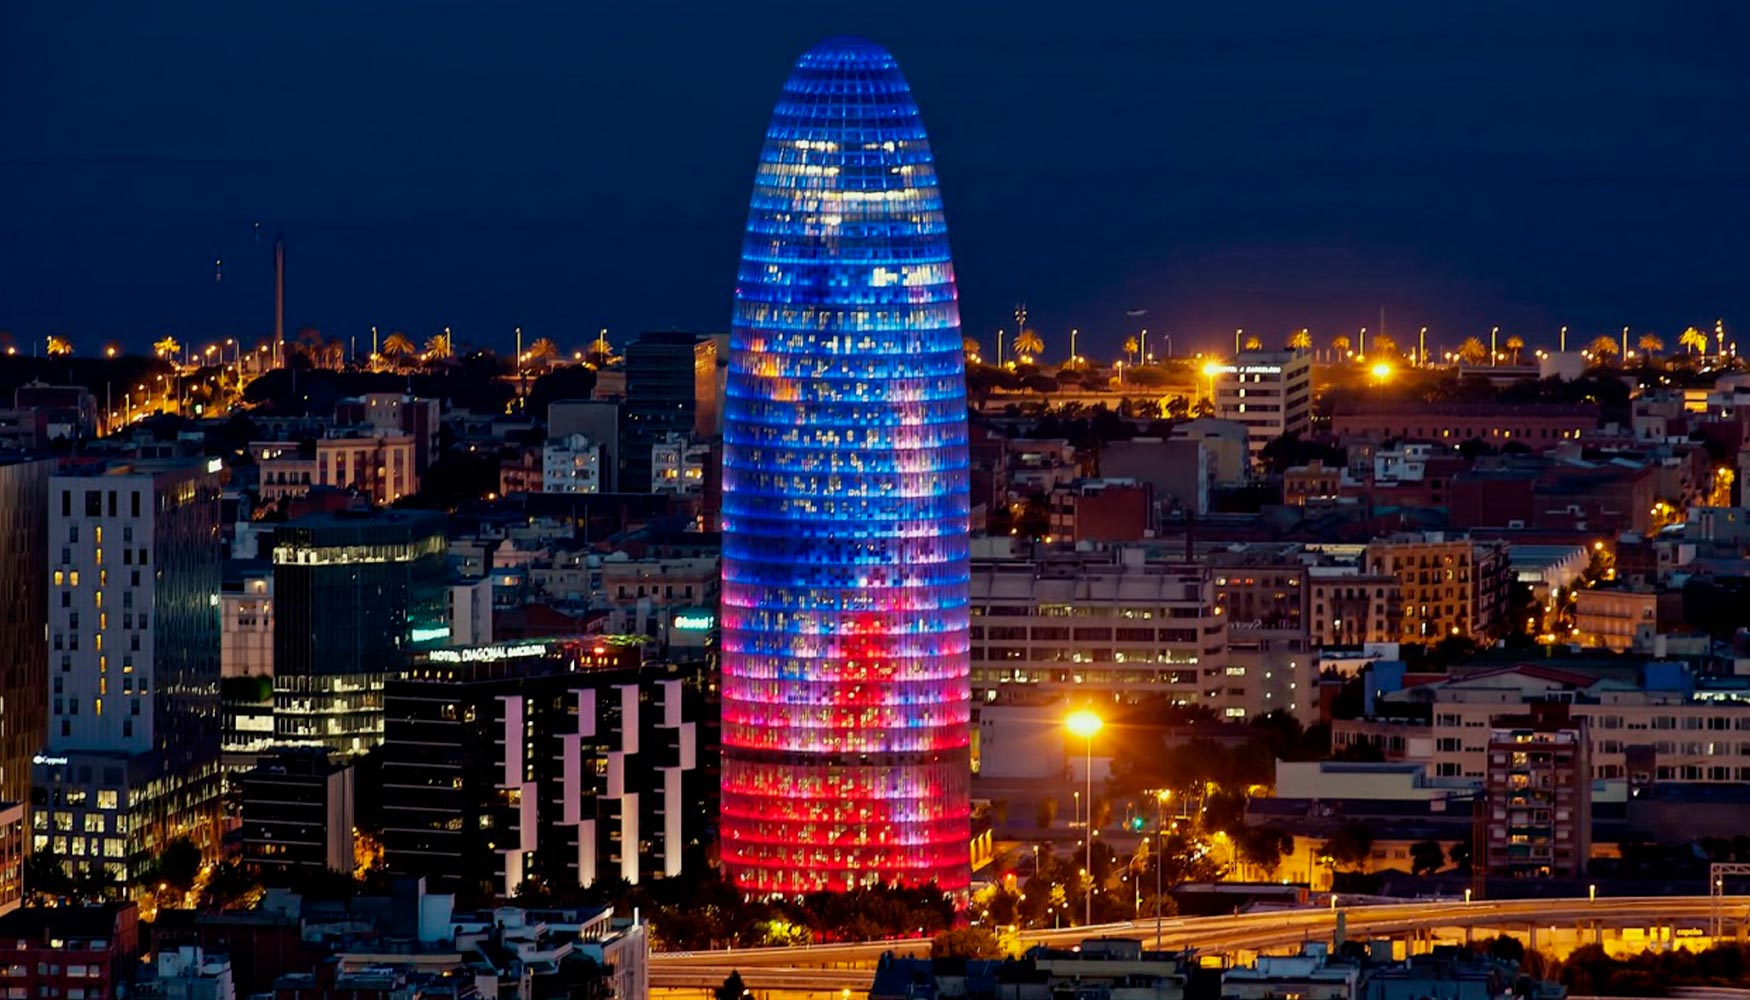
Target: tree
{"type": "Point", "coordinates": [45, 876]}
{"type": "Point", "coordinates": [61, 346]}
{"type": "Point", "coordinates": [1263, 846]}
{"type": "Point", "coordinates": [1693, 339]}
{"type": "Point", "coordinates": [966, 942]}
{"type": "Point", "coordinates": [543, 350]}
{"type": "Point", "coordinates": [1426, 857]}
{"type": "Point", "coordinates": [397, 346]}
{"type": "Point", "coordinates": [1300, 340]}
{"type": "Point", "coordinates": [228, 883]}
{"type": "Point", "coordinates": [179, 864]}
{"type": "Point", "coordinates": [1472, 351]}
{"type": "Point", "coordinates": [1254, 344]}
{"type": "Point", "coordinates": [1350, 846]}
{"type": "Point", "coordinates": [1340, 344]}
{"type": "Point", "coordinates": [1515, 344]}
{"type": "Point", "coordinates": [1461, 854]}
{"type": "Point", "coordinates": [1604, 347]}
{"type": "Point", "coordinates": [1130, 348]}
{"type": "Point", "coordinates": [733, 988]}
{"type": "Point", "coordinates": [970, 348]}
{"type": "Point", "coordinates": [1384, 346]}
{"type": "Point", "coordinates": [1650, 345]}
{"type": "Point", "coordinates": [1028, 344]}
{"type": "Point", "coordinates": [167, 347]}
{"type": "Point", "coordinates": [442, 345]}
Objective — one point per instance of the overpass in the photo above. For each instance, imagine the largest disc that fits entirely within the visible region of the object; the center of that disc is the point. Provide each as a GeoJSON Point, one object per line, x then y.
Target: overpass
{"type": "Point", "coordinates": [833, 968]}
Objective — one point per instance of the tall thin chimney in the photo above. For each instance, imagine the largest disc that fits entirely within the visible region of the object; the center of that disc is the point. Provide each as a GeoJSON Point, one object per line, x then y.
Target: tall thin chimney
{"type": "Point", "coordinates": [279, 298]}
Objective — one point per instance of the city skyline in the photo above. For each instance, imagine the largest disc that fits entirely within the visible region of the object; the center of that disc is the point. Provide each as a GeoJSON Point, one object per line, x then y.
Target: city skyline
{"type": "Point", "coordinates": [1460, 170]}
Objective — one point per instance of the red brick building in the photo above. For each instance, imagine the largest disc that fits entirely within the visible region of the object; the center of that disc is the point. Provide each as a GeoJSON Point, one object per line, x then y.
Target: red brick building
{"type": "Point", "coordinates": [1538, 426]}
{"type": "Point", "coordinates": [1102, 510]}
{"type": "Point", "coordinates": [88, 951]}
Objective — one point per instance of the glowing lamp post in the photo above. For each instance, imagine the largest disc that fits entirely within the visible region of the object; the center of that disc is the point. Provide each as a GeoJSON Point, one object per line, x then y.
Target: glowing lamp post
{"type": "Point", "coordinates": [1085, 724]}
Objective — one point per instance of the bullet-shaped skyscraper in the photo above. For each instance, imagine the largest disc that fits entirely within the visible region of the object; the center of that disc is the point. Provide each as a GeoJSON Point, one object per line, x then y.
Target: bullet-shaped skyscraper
{"type": "Point", "coordinates": [845, 571]}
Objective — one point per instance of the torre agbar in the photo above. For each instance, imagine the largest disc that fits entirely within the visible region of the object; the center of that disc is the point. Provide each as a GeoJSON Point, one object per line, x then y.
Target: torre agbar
{"type": "Point", "coordinates": [845, 687]}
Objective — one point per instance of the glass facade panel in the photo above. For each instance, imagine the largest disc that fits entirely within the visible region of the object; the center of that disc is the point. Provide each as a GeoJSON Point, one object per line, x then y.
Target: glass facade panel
{"type": "Point", "coordinates": [845, 570]}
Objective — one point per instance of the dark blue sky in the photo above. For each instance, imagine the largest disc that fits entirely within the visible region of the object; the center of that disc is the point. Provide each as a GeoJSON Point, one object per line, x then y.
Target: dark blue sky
{"type": "Point", "coordinates": [567, 165]}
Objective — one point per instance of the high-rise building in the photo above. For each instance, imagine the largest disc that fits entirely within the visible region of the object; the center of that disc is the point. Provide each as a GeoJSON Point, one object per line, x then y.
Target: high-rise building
{"type": "Point", "coordinates": [297, 815]}
{"type": "Point", "coordinates": [660, 399]}
{"type": "Point", "coordinates": [1539, 785]}
{"type": "Point", "coordinates": [354, 593]}
{"type": "Point", "coordinates": [133, 748]}
{"type": "Point", "coordinates": [1270, 392]}
{"type": "Point", "coordinates": [846, 740]}
{"type": "Point", "coordinates": [710, 373]}
{"type": "Point", "coordinates": [24, 606]}
{"type": "Point", "coordinates": [556, 761]}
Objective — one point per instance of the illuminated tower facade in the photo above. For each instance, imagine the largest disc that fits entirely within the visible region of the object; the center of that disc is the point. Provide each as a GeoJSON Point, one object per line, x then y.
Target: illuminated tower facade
{"type": "Point", "coordinates": [845, 674]}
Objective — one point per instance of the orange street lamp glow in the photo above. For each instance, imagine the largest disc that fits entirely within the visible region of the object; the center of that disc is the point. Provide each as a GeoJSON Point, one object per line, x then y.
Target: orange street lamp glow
{"type": "Point", "coordinates": [1382, 371]}
{"type": "Point", "coordinates": [1084, 723]}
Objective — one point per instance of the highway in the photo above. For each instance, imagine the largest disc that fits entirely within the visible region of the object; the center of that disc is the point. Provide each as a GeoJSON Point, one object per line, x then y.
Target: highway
{"type": "Point", "coordinates": [836, 967]}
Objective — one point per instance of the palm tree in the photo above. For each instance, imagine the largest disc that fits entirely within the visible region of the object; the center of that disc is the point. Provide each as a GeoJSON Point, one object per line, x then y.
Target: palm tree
{"type": "Point", "coordinates": [1300, 340]}
{"type": "Point", "coordinates": [543, 350]}
{"type": "Point", "coordinates": [1384, 346]}
{"type": "Point", "coordinates": [1254, 344]}
{"type": "Point", "coordinates": [970, 348]}
{"type": "Point", "coordinates": [1515, 344]}
{"type": "Point", "coordinates": [1605, 348]}
{"type": "Point", "coordinates": [1650, 346]}
{"type": "Point", "coordinates": [59, 345]}
{"type": "Point", "coordinates": [1693, 339]}
{"type": "Point", "coordinates": [441, 346]}
{"type": "Point", "coordinates": [1472, 351]}
{"type": "Point", "coordinates": [167, 348]}
{"type": "Point", "coordinates": [1028, 344]}
{"type": "Point", "coordinates": [397, 345]}
{"type": "Point", "coordinates": [1130, 348]}
{"type": "Point", "coordinates": [1340, 345]}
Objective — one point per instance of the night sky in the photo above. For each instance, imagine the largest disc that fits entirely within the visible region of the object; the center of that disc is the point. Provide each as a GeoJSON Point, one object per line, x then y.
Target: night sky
{"type": "Point", "coordinates": [567, 165]}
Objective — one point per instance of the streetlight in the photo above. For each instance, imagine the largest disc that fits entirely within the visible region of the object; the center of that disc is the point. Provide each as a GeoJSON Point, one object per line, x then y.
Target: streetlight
{"type": "Point", "coordinates": [1084, 723]}
{"type": "Point", "coordinates": [1381, 371]}
{"type": "Point", "coordinates": [1161, 798]}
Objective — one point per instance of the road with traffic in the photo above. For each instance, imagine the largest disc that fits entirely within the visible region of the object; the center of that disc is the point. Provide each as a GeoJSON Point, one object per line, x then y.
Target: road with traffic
{"type": "Point", "coordinates": [833, 968]}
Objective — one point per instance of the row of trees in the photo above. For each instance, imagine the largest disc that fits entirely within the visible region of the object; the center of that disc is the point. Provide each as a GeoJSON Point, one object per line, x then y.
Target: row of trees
{"type": "Point", "coordinates": [178, 870]}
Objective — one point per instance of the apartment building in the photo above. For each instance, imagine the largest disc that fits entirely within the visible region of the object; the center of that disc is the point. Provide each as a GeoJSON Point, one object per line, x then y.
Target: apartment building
{"type": "Point", "coordinates": [1691, 733]}
{"type": "Point", "coordinates": [1539, 787]}
{"type": "Point", "coordinates": [1449, 586]}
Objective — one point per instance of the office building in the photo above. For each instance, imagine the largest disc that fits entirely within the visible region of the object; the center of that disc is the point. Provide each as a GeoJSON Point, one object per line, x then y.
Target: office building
{"type": "Point", "coordinates": [710, 375]}
{"type": "Point", "coordinates": [562, 762]}
{"type": "Point", "coordinates": [571, 464]}
{"type": "Point", "coordinates": [1539, 785]}
{"type": "Point", "coordinates": [24, 606]}
{"type": "Point", "coordinates": [354, 593]}
{"type": "Point", "coordinates": [1109, 626]}
{"type": "Point", "coordinates": [133, 750]}
{"type": "Point", "coordinates": [1270, 392]}
{"type": "Point", "coordinates": [660, 380]}
{"type": "Point", "coordinates": [12, 849]}
{"type": "Point", "coordinates": [297, 815]}
{"type": "Point", "coordinates": [846, 732]}
{"type": "Point", "coordinates": [1537, 426]}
